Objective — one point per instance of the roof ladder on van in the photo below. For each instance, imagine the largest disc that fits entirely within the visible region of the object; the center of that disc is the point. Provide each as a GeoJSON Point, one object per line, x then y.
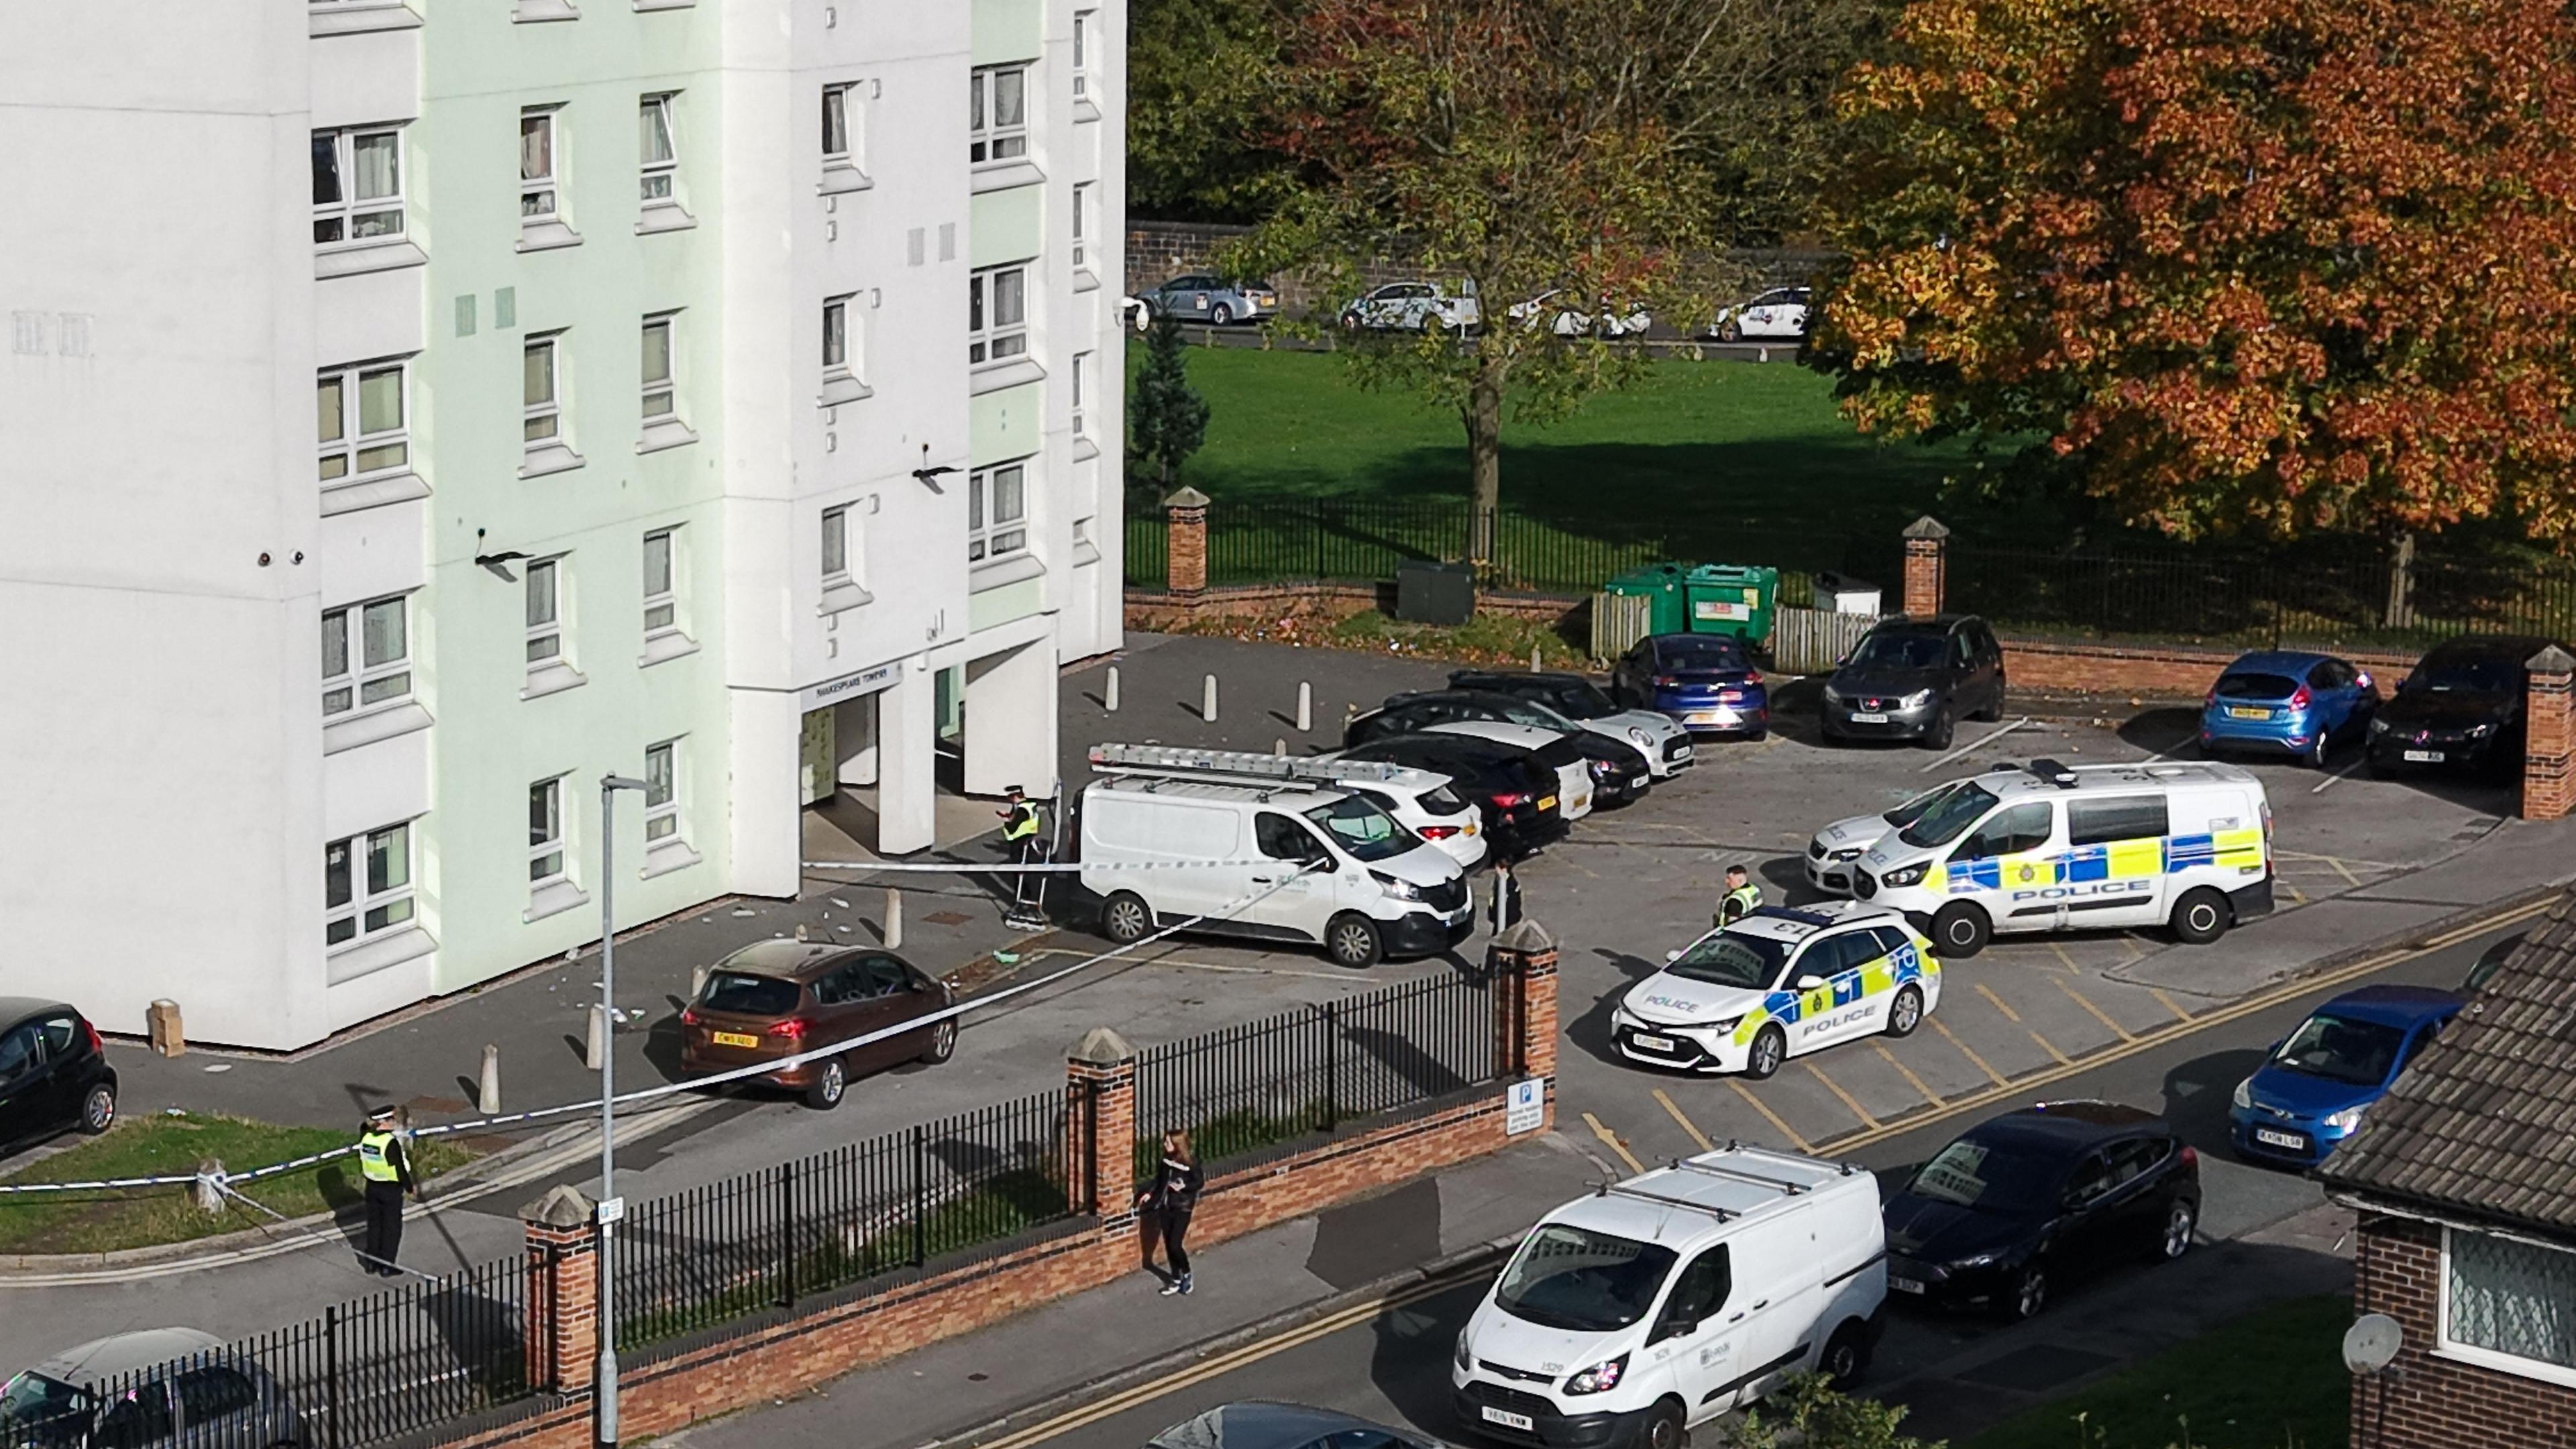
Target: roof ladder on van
{"type": "Point", "coordinates": [1621, 1189]}
{"type": "Point", "coordinates": [1181, 762]}
{"type": "Point", "coordinates": [1731, 1174]}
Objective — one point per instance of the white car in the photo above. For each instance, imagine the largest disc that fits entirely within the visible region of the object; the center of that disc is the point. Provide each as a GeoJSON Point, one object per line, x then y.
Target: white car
{"type": "Point", "coordinates": [1832, 850]}
{"type": "Point", "coordinates": [1781, 312]}
{"type": "Point", "coordinates": [1652, 733]}
{"type": "Point", "coordinates": [1410, 307]}
{"type": "Point", "coordinates": [1749, 995]}
{"type": "Point", "coordinates": [1554, 750]}
{"type": "Point", "coordinates": [1568, 316]}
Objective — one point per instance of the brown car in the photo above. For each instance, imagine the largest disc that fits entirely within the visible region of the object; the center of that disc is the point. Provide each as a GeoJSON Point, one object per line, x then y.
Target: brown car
{"type": "Point", "coordinates": [777, 999]}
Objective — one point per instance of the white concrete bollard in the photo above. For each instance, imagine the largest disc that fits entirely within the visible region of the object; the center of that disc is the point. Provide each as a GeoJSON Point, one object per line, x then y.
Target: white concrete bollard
{"type": "Point", "coordinates": [1207, 700]}
{"type": "Point", "coordinates": [893, 918]}
{"type": "Point", "coordinates": [1305, 707]}
{"type": "Point", "coordinates": [1279, 748]}
{"type": "Point", "coordinates": [1533, 659]}
{"type": "Point", "coordinates": [596, 1050]}
{"type": "Point", "coordinates": [488, 1099]}
{"type": "Point", "coordinates": [1109, 696]}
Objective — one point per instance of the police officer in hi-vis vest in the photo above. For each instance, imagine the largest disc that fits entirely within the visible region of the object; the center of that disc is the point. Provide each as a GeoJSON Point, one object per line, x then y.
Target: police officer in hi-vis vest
{"type": "Point", "coordinates": [1020, 834]}
{"type": "Point", "coordinates": [1741, 897]}
{"type": "Point", "coordinates": [387, 1169]}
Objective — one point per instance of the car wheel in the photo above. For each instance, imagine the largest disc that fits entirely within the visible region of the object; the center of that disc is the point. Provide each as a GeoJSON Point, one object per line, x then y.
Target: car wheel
{"type": "Point", "coordinates": [98, 1109]}
{"type": "Point", "coordinates": [1960, 930]}
{"type": "Point", "coordinates": [943, 1042]}
{"type": "Point", "coordinates": [1220, 315]}
{"type": "Point", "coordinates": [2029, 1293]}
{"type": "Point", "coordinates": [1770, 1049]}
{"type": "Point", "coordinates": [1126, 919]}
{"type": "Point", "coordinates": [828, 1088]}
{"type": "Point", "coordinates": [1846, 1355]}
{"type": "Point", "coordinates": [1937, 735]}
{"type": "Point", "coordinates": [1352, 941]}
{"type": "Point", "coordinates": [1350, 321]}
{"type": "Point", "coordinates": [2175, 1240]}
{"type": "Point", "coordinates": [1729, 332]}
{"type": "Point", "coordinates": [2201, 916]}
{"type": "Point", "coordinates": [1906, 1012]}
{"type": "Point", "coordinates": [1663, 1428]}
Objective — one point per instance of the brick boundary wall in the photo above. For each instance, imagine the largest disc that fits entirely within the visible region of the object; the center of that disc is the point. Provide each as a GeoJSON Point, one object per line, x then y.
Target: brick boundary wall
{"type": "Point", "coordinates": [2438, 1403]}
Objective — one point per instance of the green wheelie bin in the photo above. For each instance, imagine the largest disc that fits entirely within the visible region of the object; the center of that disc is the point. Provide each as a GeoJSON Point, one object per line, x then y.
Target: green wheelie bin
{"type": "Point", "coordinates": [1732, 599]}
{"type": "Point", "coordinates": [1663, 583]}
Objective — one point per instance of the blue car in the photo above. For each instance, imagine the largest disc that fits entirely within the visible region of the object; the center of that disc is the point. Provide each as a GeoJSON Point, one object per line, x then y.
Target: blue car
{"type": "Point", "coordinates": [1705, 681]}
{"type": "Point", "coordinates": [2310, 1093]}
{"type": "Point", "coordinates": [2283, 702]}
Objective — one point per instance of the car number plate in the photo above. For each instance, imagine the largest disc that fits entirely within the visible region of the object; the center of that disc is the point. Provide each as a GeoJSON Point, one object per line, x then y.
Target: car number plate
{"type": "Point", "coordinates": [1712, 716]}
{"type": "Point", "coordinates": [2270, 1138]}
{"type": "Point", "coordinates": [1648, 1041]}
{"type": "Point", "coordinates": [1682, 752]}
{"type": "Point", "coordinates": [1547, 802]}
{"type": "Point", "coordinates": [1506, 1417]}
{"type": "Point", "coordinates": [2249, 714]}
{"type": "Point", "coordinates": [735, 1038]}
{"type": "Point", "coordinates": [1905, 1285]}
{"type": "Point", "coordinates": [2425, 757]}
{"type": "Point", "coordinates": [1860, 717]}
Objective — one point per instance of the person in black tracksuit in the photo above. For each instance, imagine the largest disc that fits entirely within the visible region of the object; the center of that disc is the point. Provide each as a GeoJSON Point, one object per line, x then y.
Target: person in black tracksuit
{"type": "Point", "coordinates": [1174, 1195]}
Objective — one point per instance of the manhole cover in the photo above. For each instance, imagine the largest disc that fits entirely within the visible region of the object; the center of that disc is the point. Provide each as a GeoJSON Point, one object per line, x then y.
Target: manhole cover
{"type": "Point", "coordinates": [946, 918]}
{"type": "Point", "coordinates": [2038, 1367]}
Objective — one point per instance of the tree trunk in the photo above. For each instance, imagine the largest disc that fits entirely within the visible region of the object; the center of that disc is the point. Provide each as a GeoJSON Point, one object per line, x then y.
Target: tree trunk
{"type": "Point", "coordinates": [1484, 419]}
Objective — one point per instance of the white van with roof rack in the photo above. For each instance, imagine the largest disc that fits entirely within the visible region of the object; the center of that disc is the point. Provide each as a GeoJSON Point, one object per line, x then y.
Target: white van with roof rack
{"type": "Point", "coordinates": [1634, 1312]}
{"type": "Point", "coordinates": [1420, 800]}
{"type": "Point", "coordinates": [2054, 847]}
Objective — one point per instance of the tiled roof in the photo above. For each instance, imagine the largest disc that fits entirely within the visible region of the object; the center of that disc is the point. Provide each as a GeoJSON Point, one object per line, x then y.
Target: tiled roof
{"type": "Point", "coordinates": [2483, 1122]}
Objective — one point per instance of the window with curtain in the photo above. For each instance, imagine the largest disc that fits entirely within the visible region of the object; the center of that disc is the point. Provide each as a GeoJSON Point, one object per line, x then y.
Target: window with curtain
{"type": "Point", "coordinates": [999, 99]}
{"type": "Point", "coordinates": [546, 831]}
{"type": "Point", "coordinates": [373, 669]}
{"type": "Point", "coordinates": [357, 185]}
{"type": "Point", "coordinates": [997, 314]}
{"type": "Point", "coordinates": [360, 416]}
{"type": "Point", "coordinates": [662, 791]}
{"type": "Point", "coordinates": [661, 595]}
{"type": "Point", "coordinates": [545, 612]}
{"type": "Point", "coordinates": [997, 511]}
{"type": "Point", "coordinates": [537, 163]}
{"type": "Point", "coordinates": [543, 419]}
{"type": "Point", "coordinates": [836, 543]}
{"type": "Point", "coordinates": [661, 155]}
{"type": "Point", "coordinates": [841, 125]}
{"type": "Point", "coordinates": [658, 387]}
{"type": "Point", "coordinates": [1084, 23]}
{"type": "Point", "coordinates": [2512, 1299]}
{"type": "Point", "coordinates": [366, 885]}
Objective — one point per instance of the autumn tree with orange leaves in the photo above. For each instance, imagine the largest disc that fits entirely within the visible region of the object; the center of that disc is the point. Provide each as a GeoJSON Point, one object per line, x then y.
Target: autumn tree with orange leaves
{"type": "Point", "coordinates": [2267, 267]}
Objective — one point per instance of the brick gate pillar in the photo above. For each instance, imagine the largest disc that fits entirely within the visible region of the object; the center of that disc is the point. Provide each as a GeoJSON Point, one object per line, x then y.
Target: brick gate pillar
{"type": "Point", "coordinates": [1523, 961]}
{"type": "Point", "coordinates": [2549, 736]}
{"type": "Point", "coordinates": [1927, 565]}
{"type": "Point", "coordinates": [1100, 1127]}
{"type": "Point", "coordinates": [562, 1291]}
{"type": "Point", "coordinates": [1185, 558]}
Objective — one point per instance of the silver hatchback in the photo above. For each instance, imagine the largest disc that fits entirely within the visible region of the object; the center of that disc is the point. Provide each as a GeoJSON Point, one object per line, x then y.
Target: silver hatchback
{"type": "Point", "coordinates": [1203, 297]}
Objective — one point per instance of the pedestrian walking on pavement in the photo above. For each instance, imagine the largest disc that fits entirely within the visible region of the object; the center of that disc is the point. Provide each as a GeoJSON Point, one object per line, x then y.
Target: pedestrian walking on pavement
{"type": "Point", "coordinates": [1173, 1197]}
{"type": "Point", "coordinates": [1505, 909]}
{"type": "Point", "coordinates": [1742, 896]}
{"type": "Point", "coordinates": [387, 1170]}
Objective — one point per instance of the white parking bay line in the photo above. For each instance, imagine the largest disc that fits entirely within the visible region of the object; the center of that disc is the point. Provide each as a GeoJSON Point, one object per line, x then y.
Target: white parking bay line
{"type": "Point", "coordinates": [1974, 745]}
{"type": "Point", "coordinates": [2320, 787]}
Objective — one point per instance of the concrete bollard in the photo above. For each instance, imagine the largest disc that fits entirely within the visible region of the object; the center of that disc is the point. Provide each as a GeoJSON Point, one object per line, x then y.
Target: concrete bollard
{"type": "Point", "coordinates": [209, 1198]}
{"type": "Point", "coordinates": [1279, 748]}
{"type": "Point", "coordinates": [1534, 659]}
{"type": "Point", "coordinates": [488, 1100]}
{"type": "Point", "coordinates": [1207, 700]}
{"type": "Point", "coordinates": [894, 916]}
{"type": "Point", "coordinates": [1109, 696]}
{"type": "Point", "coordinates": [1305, 707]}
{"type": "Point", "coordinates": [596, 1051]}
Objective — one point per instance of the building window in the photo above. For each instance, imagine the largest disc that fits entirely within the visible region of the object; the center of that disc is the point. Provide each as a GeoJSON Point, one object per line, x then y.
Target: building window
{"type": "Point", "coordinates": [361, 421]}
{"type": "Point", "coordinates": [366, 885]}
{"type": "Point", "coordinates": [2507, 1303]}
{"type": "Point", "coordinates": [545, 612]}
{"type": "Point", "coordinates": [1000, 127]}
{"type": "Point", "coordinates": [1081, 389]}
{"type": "Point", "coordinates": [374, 667]}
{"type": "Point", "coordinates": [546, 831]}
{"type": "Point", "coordinates": [660, 154]}
{"type": "Point", "coordinates": [661, 594]}
{"type": "Point", "coordinates": [357, 185]}
{"type": "Point", "coordinates": [1081, 223]}
{"type": "Point", "coordinates": [840, 125]}
{"type": "Point", "coordinates": [658, 387]}
{"type": "Point", "coordinates": [539, 395]}
{"type": "Point", "coordinates": [997, 511]}
{"type": "Point", "coordinates": [997, 314]}
{"type": "Point", "coordinates": [840, 338]}
{"type": "Point", "coordinates": [836, 544]}
{"type": "Point", "coordinates": [661, 791]}
{"type": "Point", "coordinates": [1085, 22]}
{"type": "Point", "coordinates": [537, 163]}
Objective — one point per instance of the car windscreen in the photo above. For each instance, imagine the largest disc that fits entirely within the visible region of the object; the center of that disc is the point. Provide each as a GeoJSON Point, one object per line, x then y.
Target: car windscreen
{"type": "Point", "coordinates": [1899, 651]}
{"type": "Point", "coordinates": [1573, 1278]}
{"type": "Point", "coordinates": [2468, 674]}
{"type": "Point", "coordinates": [1362, 830]}
{"type": "Point", "coordinates": [748, 995]}
{"type": "Point", "coordinates": [1923, 804]}
{"type": "Point", "coordinates": [1528, 712]}
{"type": "Point", "coordinates": [1989, 1176]}
{"type": "Point", "coordinates": [1751, 963]}
{"type": "Point", "coordinates": [1714, 652]}
{"type": "Point", "coordinates": [1948, 819]}
{"type": "Point", "coordinates": [2256, 686]}
{"type": "Point", "coordinates": [2341, 1049]}
{"type": "Point", "coordinates": [32, 1401]}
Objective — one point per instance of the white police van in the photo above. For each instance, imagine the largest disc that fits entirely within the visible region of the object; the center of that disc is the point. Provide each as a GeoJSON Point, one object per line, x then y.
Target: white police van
{"type": "Point", "coordinates": [2052, 848]}
{"type": "Point", "coordinates": [1630, 1314]}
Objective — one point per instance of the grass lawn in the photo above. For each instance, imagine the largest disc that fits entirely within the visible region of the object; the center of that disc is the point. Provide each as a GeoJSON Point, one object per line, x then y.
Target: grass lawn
{"type": "Point", "coordinates": [164, 1145]}
{"type": "Point", "coordinates": [2273, 1379]}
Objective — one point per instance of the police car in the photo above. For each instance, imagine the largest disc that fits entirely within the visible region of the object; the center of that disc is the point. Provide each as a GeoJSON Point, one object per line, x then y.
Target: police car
{"type": "Point", "coordinates": [2185, 845]}
{"type": "Point", "coordinates": [1751, 994]}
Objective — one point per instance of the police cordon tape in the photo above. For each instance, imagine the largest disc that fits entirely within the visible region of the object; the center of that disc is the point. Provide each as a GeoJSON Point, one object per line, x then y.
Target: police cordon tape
{"type": "Point", "coordinates": [1052, 867]}
{"type": "Point", "coordinates": [223, 1181]}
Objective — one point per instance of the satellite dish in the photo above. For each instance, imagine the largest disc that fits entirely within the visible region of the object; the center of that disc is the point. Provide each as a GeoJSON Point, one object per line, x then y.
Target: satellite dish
{"type": "Point", "coordinates": [2371, 1343]}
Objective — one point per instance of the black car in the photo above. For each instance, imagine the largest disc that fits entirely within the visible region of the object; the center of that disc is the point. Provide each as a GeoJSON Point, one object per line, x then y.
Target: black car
{"type": "Point", "coordinates": [1506, 784]}
{"type": "Point", "coordinates": [2031, 1199]}
{"type": "Point", "coordinates": [1620, 776]}
{"type": "Point", "coordinates": [54, 1074]}
{"type": "Point", "coordinates": [1284, 1426]}
{"type": "Point", "coordinates": [1420, 710]}
{"type": "Point", "coordinates": [2461, 705]}
{"type": "Point", "coordinates": [1914, 679]}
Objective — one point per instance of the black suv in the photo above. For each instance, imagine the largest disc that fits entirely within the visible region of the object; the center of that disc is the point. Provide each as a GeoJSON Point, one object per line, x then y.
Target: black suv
{"type": "Point", "coordinates": [2461, 705]}
{"type": "Point", "coordinates": [54, 1074]}
{"type": "Point", "coordinates": [1914, 678]}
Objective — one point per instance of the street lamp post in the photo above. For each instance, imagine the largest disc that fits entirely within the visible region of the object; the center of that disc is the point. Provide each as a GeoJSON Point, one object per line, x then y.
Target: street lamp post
{"type": "Point", "coordinates": [612, 1208]}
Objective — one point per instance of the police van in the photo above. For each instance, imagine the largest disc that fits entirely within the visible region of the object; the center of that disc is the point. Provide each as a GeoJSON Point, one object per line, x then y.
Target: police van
{"type": "Point", "coordinates": [2053, 848]}
{"type": "Point", "coordinates": [1636, 1311]}
{"type": "Point", "coordinates": [1753, 993]}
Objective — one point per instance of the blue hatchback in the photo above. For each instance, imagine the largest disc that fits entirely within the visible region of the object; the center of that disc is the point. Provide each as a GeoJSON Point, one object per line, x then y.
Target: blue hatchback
{"type": "Point", "coordinates": [1705, 681]}
{"type": "Point", "coordinates": [2310, 1093]}
{"type": "Point", "coordinates": [2282, 702]}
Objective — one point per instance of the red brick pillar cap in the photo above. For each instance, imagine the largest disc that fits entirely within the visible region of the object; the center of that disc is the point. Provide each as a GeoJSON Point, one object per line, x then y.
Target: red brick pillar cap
{"type": "Point", "coordinates": [1927, 527]}
{"type": "Point", "coordinates": [1101, 1047]}
{"type": "Point", "coordinates": [1186, 497]}
{"type": "Point", "coordinates": [1526, 938]}
{"type": "Point", "coordinates": [564, 1207]}
{"type": "Point", "coordinates": [2552, 660]}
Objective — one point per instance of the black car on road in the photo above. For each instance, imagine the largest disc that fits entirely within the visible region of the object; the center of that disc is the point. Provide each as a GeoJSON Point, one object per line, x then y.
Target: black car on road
{"type": "Point", "coordinates": [54, 1074]}
{"type": "Point", "coordinates": [2022, 1203]}
{"type": "Point", "coordinates": [1504, 782]}
{"type": "Point", "coordinates": [1915, 678]}
{"type": "Point", "coordinates": [2460, 706]}
{"type": "Point", "coordinates": [1284, 1426]}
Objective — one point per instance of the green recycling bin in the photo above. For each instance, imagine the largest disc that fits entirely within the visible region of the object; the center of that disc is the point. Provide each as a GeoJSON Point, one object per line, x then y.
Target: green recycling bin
{"type": "Point", "coordinates": [1663, 583]}
{"type": "Point", "coordinates": [1728, 599]}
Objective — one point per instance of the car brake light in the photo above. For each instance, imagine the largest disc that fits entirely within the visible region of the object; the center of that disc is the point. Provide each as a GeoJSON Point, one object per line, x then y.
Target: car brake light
{"type": "Point", "coordinates": [1510, 798]}
{"type": "Point", "coordinates": [2362, 680]}
{"type": "Point", "coordinates": [793, 1028]}
{"type": "Point", "coordinates": [2210, 700]}
{"type": "Point", "coordinates": [2299, 700]}
{"type": "Point", "coordinates": [2189, 1157]}
{"type": "Point", "coordinates": [1753, 676]}
{"type": "Point", "coordinates": [97, 1044]}
{"type": "Point", "coordinates": [1667, 681]}
{"type": "Point", "coordinates": [688, 1016]}
{"type": "Point", "coordinates": [1437, 832]}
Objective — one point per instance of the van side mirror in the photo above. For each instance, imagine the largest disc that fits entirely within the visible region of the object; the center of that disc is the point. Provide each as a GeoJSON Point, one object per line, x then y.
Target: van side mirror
{"type": "Point", "coordinates": [1671, 956]}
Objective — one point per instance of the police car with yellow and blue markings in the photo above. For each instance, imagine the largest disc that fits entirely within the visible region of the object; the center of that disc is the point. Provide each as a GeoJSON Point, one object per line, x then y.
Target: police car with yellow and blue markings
{"type": "Point", "coordinates": [1755, 992]}
{"type": "Point", "coordinates": [2051, 848]}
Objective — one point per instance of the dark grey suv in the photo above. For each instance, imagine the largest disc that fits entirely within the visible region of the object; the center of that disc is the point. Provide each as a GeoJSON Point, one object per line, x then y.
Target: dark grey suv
{"type": "Point", "coordinates": [1914, 679]}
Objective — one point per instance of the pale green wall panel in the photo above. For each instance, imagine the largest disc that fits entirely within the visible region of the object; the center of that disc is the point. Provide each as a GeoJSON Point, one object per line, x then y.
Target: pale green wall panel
{"type": "Point", "coordinates": [1006, 226]}
{"type": "Point", "coordinates": [1008, 30]}
{"type": "Point", "coordinates": [1002, 605]}
{"type": "Point", "coordinates": [1004, 425]}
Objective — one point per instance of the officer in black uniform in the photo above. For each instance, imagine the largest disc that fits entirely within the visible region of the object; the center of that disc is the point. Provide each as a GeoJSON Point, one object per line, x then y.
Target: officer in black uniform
{"type": "Point", "coordinates": [387, 1170]}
